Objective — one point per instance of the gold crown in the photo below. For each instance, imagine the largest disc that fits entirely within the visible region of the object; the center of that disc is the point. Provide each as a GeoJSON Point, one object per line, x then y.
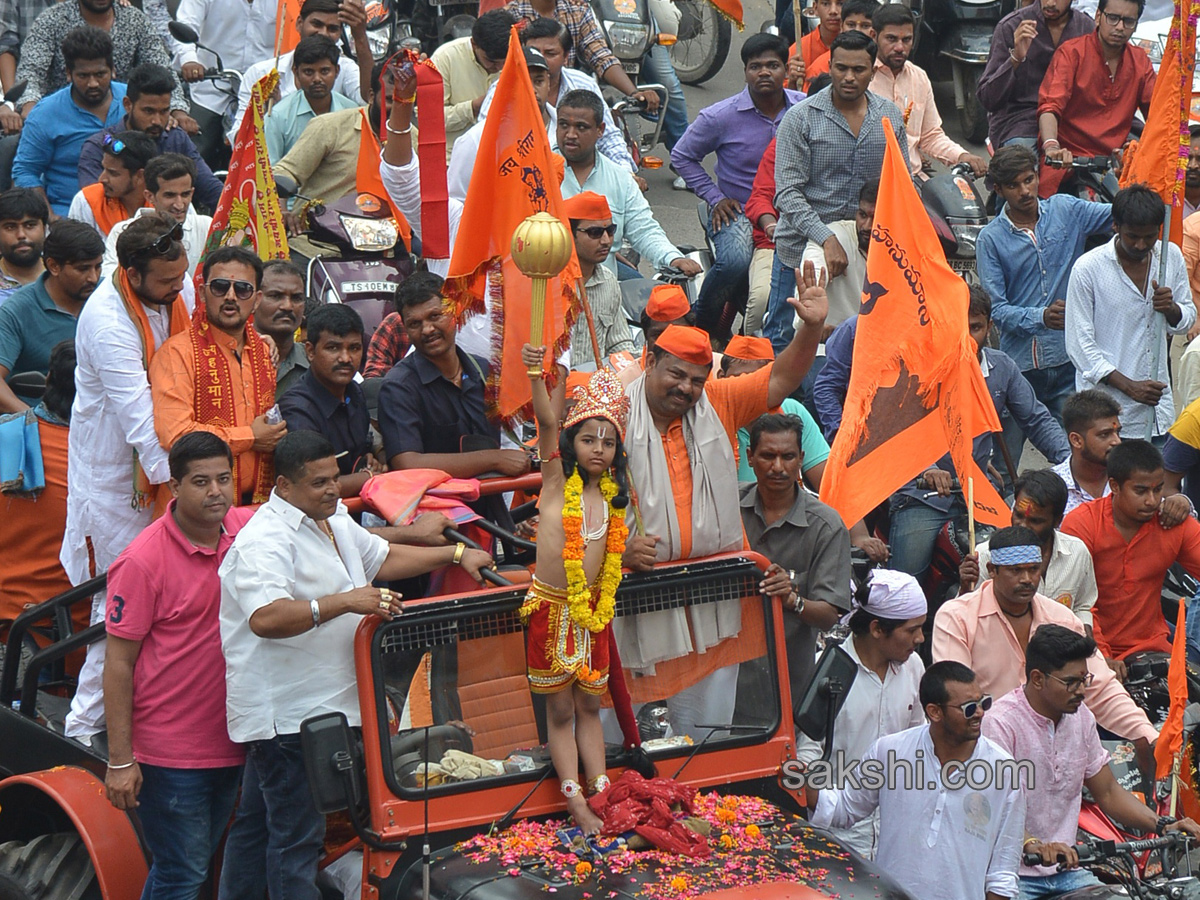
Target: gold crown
{"type": "Point", "coordinates": [602, 398]}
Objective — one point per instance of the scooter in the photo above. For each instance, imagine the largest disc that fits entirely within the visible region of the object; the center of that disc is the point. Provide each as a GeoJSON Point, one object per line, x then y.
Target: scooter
{"type": "Point", "coordinates": [957, 211]}
{"type": "Point", "coordinates": [959, 33]}
{"type": "Point", "coordinates": [371, 261]}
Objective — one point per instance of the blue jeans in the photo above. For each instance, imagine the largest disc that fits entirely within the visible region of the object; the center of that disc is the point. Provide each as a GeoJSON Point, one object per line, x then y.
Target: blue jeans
{"type": "Point", "coordinates": [728, 281]}
{"type": "Point", "coordinates": [914, 531]}
{"type": "Point", "coordinates": [657, 68]}
{"type": "Point", "coordinates": [779, 324]}
{"type": "Point", "coordinates": [1052, 386]}
{"type": "Point", "coordinates": [1033, 888]}
{"type": "Point", "coordinates": [275, 842]}
{"type": "Point", "coordinates": [183, 814]}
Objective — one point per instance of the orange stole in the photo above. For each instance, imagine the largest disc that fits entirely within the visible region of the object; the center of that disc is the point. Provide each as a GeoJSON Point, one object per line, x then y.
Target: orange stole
{"type": "Point", "coordinates": [106, 211]}
{"type": "Point", "coordinates": [214, 399]}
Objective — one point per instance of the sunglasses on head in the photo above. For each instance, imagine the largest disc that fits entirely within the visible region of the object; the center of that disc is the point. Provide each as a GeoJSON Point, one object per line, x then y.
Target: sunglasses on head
{"type": "Point", "coordinates": [596, 230]}
{"type": "Point", "coordinates": [112, 145]}
{"type": "Point", "coordinates": [243, 290]}
{"type": "Point", "coordinates": [161, 245]}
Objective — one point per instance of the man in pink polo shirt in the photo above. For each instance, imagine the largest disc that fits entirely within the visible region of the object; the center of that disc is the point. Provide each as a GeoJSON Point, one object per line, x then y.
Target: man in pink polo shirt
{"type": "Point", "coordinates": [989, 629]}
{"type": "Point", "coordinates": [170, 755]}
{"type": "Point", "coordinates": [1047, 723]}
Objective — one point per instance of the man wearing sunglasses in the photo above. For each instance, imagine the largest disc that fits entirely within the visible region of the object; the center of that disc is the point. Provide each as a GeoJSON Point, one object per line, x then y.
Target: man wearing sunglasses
{"type": "Point", "coordinates": [593, 228]}
{"type": "Point", "coordinates": [121, 190]}
{"type": "Point", "coordinates": [1091, 91]}
{"type": "Point", "coordinates": [218, 376]}
{"type": "Point", "coordinates": [1045, 722]}
{"type": "Point", "coordinates": [989, 629]}
{"type": "Point", "coordinates": [944, 833]}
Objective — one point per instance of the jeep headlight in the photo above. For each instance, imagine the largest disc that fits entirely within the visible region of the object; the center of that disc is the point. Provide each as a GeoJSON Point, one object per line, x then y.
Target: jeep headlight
{"type": "Point", "coordinates": [371, 234]}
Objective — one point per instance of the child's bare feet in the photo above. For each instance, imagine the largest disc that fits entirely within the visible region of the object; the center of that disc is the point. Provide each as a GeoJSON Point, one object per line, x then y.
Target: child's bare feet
{"type": "Point", "coordinates": [588, 821]}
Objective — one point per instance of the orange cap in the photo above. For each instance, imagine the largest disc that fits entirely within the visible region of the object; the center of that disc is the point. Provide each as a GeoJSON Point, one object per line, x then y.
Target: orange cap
{"type": "Point", "coordinates": [750, 348]}
{"type": "Point", "coordinates": [587, 205]}
{"type": "Point", "coordinates": [689, 344]}
{"type": "Point", "coordinates": [667, 303]}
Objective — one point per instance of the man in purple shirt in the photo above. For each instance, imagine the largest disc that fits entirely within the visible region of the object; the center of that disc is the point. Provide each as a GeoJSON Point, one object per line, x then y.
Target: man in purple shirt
{"type": "Point", "coordinates": [1022, 45]}
{"type": "Point", "coordinates": [1046, 723]}
{"type": "Point", "coordinates": [738, 130]}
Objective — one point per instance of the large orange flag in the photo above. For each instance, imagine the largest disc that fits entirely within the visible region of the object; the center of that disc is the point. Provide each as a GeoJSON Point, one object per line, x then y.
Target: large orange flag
{"type": "Point", "coordinates": [1170, 737]}
{"type": "Point", "coordinates": [248, 213]}
{"type": "Point", "coordinates": [1159, 158]}
{"type": "Point", "coordinates": [514, 177]}
{"type": "Point", "coordinates": [916, 390]}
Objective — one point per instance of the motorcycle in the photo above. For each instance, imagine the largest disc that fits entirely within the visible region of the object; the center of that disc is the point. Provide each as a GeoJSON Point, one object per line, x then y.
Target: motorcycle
{"type": "Point", "coordinates": [957, 211]}
{"type": "Point", "coordinates": [371, 261]}
{"type": "Point", "coordinates": [227, 81]}
{"type": "Point", "coordinates": [959, 33]}
{"type": "Point", "coordinates": [1117, 860]}
{"type": "Point", "coordinates": [698, 51]}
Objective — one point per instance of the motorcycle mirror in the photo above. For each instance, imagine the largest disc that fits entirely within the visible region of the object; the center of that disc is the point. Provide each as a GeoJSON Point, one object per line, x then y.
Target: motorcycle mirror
{"type": "Point", "coordinates": [286, 186]}
{"type": "Point", "coordinates": [13, 94]}
{"type": "Point", "coordinates": [185, 34]}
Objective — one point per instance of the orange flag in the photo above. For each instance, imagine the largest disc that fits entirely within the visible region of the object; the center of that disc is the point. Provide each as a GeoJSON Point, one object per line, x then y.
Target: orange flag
{"type": "Point", "coordinates": [1170, 737]}
{"type": "Point", "coordinates": [286, 35]}
{"type": "Point", "coordinates": [916, 390]}
{"type": "Point", "coordinates": [372, 195]}
{"type": "Point", "coordinates": [1159, 158]}
{"type": "Point", "coordinates": [514, 177]}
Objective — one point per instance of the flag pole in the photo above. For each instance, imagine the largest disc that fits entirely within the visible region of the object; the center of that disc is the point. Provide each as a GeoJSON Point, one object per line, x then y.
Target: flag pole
{"type": "Point", "coordinates": [970, 514]}
{"type": "Point", "coordinates": [280, 18]}
{"type": "Point", "coordinates": [591, 322]}
{"type": "Point", "coordinates": [1159, 318]}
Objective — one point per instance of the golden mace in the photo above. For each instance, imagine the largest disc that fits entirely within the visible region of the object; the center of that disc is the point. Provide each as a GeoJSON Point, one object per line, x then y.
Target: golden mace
{"type": "Point", "coordinates": [541, 249]}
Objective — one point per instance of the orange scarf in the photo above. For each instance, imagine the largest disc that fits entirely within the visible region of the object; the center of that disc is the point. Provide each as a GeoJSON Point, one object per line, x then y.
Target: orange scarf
{"type": "Point", "coordinates": [143, 490]}
{"type": "Point", "coordinates": [214, 401]}
{"type": "Point", "coordinates": [106, 211]}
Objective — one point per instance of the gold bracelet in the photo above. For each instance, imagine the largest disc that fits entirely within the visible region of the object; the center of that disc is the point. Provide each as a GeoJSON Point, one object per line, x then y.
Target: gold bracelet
{"type": "Point", "coordinates": [459, 549]}
{"type": "Point", "coordinates": [1029, 841]}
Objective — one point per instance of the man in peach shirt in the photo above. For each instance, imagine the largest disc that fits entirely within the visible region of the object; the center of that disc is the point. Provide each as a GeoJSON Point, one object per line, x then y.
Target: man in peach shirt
{"type": "Point", "coordinates": [218, 375]}
{"type": "Point", "coordinates": [989, 628]}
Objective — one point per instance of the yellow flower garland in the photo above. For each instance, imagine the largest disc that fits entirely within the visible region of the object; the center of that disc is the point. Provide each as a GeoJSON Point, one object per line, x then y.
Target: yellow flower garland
{"type": "Point", "coordinates": [579, 594]}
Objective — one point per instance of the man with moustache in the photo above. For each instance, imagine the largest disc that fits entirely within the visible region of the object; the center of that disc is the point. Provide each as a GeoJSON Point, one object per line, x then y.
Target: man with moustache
{"type": "Point", "coordinates": [593, 228]}
{"type": "Point", "coordinates": [1118, 315]}
{"type": "Point", "coordinates": [1025, 256]}
{"type": "Point", "coordinates": [1022, 45]}
{"type": "Point", "coordinates": [24, 217]}
{"type": "Point", "coordinates": [147, 107]}
{"type": "Point", "coordinates": [41, 314]}
{"type": "Point", "coordinates": [278, 314]}
{"type": "Point", "coordinates": [940, 837]}
{"type": "Point", "coordinates": [1045, 722]}
{"type": "Point", "coordinates": [116, 458]}
{"type": "Point", "coordinates": [121, 190]}
{"type": "Point", "coordinates": [315, 63]}
{"type": "Point", "coordinates": [218, 375]}
{"type": "Point", "coordinates": [989, 629]}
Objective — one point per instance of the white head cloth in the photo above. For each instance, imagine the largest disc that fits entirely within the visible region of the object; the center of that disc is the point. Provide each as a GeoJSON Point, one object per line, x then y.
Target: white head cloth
{"type": "Point", "coordinates": [893, 595]}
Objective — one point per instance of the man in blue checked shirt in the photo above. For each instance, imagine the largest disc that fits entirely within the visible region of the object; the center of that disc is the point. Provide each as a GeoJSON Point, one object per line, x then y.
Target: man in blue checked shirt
{"type": "Point", "coordinates": [1024, 257]}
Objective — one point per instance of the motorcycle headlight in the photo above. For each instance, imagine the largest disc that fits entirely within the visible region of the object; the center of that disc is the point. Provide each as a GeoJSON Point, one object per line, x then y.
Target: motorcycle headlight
{"type": "Point", "coordinates": [371, 234]}
{"type": "Point", "coordinates": [378, 39]}
{"type": "Point", "coordinates": [966, 235]}
{"type": "Point", "coordinates": [628, 41]}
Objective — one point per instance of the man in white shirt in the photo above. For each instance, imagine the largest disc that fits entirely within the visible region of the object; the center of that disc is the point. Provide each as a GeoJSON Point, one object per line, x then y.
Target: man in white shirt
{"type": "Point", "coordinates": [886, 625]}
{"type": "Point", "coordinates": [317, 17]}
{"type": "Point", "coordinates": [116, 458]}
{"type": "Point", "coordinates": [170, 185]}
{"type": "Point", "coordinates": [940, 837]}
{"type": "Point", "coordinates": [468, 65]}
{"type": "Point", "coordinates": [1118, 314]}
{"type": "Point", "coordinates": [294, 586]}
{"type": "Point", "coordinates": [1092, 420]}
{"type": "Point", "coordinates": [1039, 502]}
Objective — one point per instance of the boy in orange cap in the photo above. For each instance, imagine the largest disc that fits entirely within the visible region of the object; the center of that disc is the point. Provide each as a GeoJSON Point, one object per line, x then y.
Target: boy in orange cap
{"type": "Point", "coordinates": [592, 229]}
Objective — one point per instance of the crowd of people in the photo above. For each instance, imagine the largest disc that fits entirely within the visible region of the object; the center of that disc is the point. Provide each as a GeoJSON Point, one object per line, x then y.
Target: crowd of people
{"type": "Point", "coordinates": [198, 435]}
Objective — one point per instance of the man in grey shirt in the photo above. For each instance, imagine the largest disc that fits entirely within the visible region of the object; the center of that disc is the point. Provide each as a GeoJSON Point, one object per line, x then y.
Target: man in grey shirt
{"type": "Point", "coordinates": [805, 540]}
{"type": "Point", "coordinates": [828, 146]}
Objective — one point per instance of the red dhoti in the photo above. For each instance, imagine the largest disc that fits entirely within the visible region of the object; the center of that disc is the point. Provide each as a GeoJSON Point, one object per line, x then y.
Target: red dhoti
{"type": "Point", "coordinates": [560, 652]}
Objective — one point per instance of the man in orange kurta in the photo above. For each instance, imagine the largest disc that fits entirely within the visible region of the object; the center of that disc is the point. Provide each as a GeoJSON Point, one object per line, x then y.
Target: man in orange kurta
{"type": "Point", "coordinates": [218, 375]}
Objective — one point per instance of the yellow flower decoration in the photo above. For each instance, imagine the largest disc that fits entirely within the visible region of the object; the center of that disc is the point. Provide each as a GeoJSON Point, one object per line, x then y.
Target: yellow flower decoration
{"type": "Point", "coordinates": [583, 869]}
{"type": "Point", "coordinates": [579, 594]}
{"type": "Point", "coordinates": [679, 883]}
{"type": "Point", "coordinates": [753, 831]}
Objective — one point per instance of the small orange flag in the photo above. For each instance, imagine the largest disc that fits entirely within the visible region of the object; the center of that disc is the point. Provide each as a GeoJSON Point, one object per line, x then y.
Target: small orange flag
{"type": "Point", "coordinates": [1159, 158]}
{"type": "Point", "coordinates": [1170, 737]}
{"type": "Point", "coordinates": [369, 183]}
{"type": "Point", "coordinates": [286, 35]}
{"type": "Point", "coordinates": [514, 177]}
{"type": "Point", "coordinates": [916, 390]}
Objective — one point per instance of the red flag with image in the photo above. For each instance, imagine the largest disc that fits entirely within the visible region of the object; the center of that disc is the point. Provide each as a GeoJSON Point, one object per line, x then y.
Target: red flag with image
{"type": "Point", "coordinates": [916, 390]}
{"type": "Point", "coordinates": [514, 177]}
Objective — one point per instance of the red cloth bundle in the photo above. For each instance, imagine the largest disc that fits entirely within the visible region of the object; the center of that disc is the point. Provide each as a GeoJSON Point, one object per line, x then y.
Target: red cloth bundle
{"type": "Point", "coordinates": [641, 805]}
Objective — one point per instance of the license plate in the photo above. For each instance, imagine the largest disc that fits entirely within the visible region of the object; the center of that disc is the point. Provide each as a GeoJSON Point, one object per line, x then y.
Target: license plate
{"type": "Point", "coordinates": [631, 67]}
{"type": "Point", "coordinates": [369, 287]}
